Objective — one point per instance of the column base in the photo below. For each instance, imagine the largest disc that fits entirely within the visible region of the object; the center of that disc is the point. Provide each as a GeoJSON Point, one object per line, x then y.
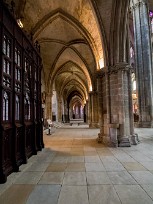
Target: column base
{"type": "Point", "coordinates": [100, 138]}
{"type": "Point", "coordinates": [124, 142]}
{"type": "Point", "coordinates": [134, 139]}
{"type": "Point", "coordinates": [145, 124]}
{"type": "Point", "coordinates": [107, 140]}
{"type": "Point", "coordinates": [93, 125]}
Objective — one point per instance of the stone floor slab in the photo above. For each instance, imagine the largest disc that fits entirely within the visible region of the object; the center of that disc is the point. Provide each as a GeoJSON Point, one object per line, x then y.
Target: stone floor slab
{"type": "Point", "coordinates": [92, 159]}
{"type": "Point", "coordinates": [60, 159]}
{"type": "Point", "coordinates": [133, 166]}
{"type": "Point", "coordinates": [80, 167]}
{"type": "Point", "coordinates": [56, 167]}
{"type": "Point", "coordinates": [74, 178]}
{"type": "Point", "coordinates": [113, 166]}
{"type": "Point", "coordinates": [29, 178]}
{"type": "Point", "coordinates": [121, 177]}
{"type": "Point", "coordinates": [103, 194]}
{"type": "Point", "coordinates": [94, 167]}
{"type": "Point", "coordinates": [73, 195]}
{"type": "Point", "coordinates": [148, 165]}
{"type": "Point", "coordinates": [148, 189]}
{"type": "Point", "coordinates": [108, 159]}
{"type": "Point", "coordinates": [38, 166]}
{"type": "Point", "coordinates": [94, 178]}
{"type": "Point", "coordinates": [74, 159]}
{"type": "Point", "coordinates": [16, 194]}
{"type": "Point", "coordinates": [132, 194]}
{"type": "Point", "coordinates": [47, 194]}
{"type": "Point", "coordinates": [52, 178]}
{"type": "Point", "coordinates": [142, 177]}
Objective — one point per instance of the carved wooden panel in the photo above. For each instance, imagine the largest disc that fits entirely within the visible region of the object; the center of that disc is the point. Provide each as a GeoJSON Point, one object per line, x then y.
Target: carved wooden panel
{"type": "Point", "coordinates": [20, 96]}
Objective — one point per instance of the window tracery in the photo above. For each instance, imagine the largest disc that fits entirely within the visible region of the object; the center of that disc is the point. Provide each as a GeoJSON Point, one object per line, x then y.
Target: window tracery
{"type": "Point", "coordinates": [5, 106]}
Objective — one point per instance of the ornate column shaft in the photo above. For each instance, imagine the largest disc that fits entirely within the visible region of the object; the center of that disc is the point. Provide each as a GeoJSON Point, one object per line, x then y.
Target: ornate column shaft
{"type": "Point", "coordinates": [143, 63]}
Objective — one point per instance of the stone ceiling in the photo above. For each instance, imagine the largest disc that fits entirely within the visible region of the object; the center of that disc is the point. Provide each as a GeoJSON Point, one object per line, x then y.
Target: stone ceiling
{"type": "Point", "coordinates": [70, 42]}
{"type": "Point", "coordinates": [69, 39]}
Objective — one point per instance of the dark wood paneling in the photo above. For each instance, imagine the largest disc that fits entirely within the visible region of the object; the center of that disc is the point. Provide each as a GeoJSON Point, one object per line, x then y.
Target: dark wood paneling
{"type": "Point", "coordinates": [21, 135]}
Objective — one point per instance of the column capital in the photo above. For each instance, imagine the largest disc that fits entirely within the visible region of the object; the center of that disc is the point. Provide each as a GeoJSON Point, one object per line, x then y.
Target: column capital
{"type": "Point", "coordinates": [121, 66]}
{"type": "Point", "coordinates": [49, 94]}
{"type": "Point", "coordinates": [93, 93]}
{"type": "Point", "coordinates": [101, 72]}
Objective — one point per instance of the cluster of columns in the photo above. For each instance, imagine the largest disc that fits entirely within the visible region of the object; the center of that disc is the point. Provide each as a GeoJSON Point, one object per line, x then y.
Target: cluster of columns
{"type": "Point", "coordinates": [143, 57]}
{"type": "Point", "coordinates": [115, 105]}
{"type": "Point", "coordinates": [115, 91]}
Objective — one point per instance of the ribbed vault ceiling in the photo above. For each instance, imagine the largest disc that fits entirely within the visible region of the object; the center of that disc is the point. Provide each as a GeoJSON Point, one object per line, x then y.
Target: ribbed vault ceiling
{"type": "Point", "coordinates": [70, 42]}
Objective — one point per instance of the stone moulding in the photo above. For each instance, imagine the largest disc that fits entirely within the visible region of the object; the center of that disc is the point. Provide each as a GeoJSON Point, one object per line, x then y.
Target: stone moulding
{"type": "Point", "coordinates": [114, 69]}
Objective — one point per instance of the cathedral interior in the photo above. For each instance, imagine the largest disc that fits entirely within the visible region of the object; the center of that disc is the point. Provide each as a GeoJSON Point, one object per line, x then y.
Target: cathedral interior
{"type": "Point", "coordinates": [76, 98]}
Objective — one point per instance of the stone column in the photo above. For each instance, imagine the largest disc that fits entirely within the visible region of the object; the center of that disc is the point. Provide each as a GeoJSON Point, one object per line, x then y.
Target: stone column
{"type": "Point", "coordinates": [104, 100]}
{"type": "Point", "coordinates": [65, 115]}
{"type": "Point", "coordinates": [143, 63]}
{"type": "Point", "coordinates": [48, 106]}
{"type": "Point", "coordinates": [90, 110]}
{"type": "Point", "coordinates": [115, 98]}
{"type": "Point", "coordinates": [123, 104]}
{"type": "Point", "coordinates": [94, 109]}
{"type": "Point", "coordinates": [59, 111]}
{"type": "Point", "coordinates": [100, 107]}
{"type": "Point", "coordinates": [87, 111]}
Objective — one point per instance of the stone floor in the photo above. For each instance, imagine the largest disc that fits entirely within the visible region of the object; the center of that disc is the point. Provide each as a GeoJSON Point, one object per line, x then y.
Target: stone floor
{"type": "Point", "coordinates": [74, 169]}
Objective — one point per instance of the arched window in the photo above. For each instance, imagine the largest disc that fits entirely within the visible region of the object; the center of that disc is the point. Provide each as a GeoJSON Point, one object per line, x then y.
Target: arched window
{"type": "Point", "coordinates": [17, 108]}
{"type": "Point", "coordinates": [131, 52]}
{"type": "Point", "coordinates": [5, 107]}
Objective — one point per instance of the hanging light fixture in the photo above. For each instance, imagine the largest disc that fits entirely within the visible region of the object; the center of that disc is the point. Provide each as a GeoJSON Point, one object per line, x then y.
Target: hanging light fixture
{"type": "Point", "coordinates": [19, 22]}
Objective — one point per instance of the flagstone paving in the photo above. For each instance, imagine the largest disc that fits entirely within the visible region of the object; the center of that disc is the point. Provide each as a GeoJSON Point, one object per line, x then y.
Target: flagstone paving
{"type": "Point", "coordinates": [74, 169]}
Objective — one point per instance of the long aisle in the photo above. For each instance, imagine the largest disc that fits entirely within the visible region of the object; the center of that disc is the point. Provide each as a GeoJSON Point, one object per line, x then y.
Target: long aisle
{"type": "Point", "coordinates": [74, 169]}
